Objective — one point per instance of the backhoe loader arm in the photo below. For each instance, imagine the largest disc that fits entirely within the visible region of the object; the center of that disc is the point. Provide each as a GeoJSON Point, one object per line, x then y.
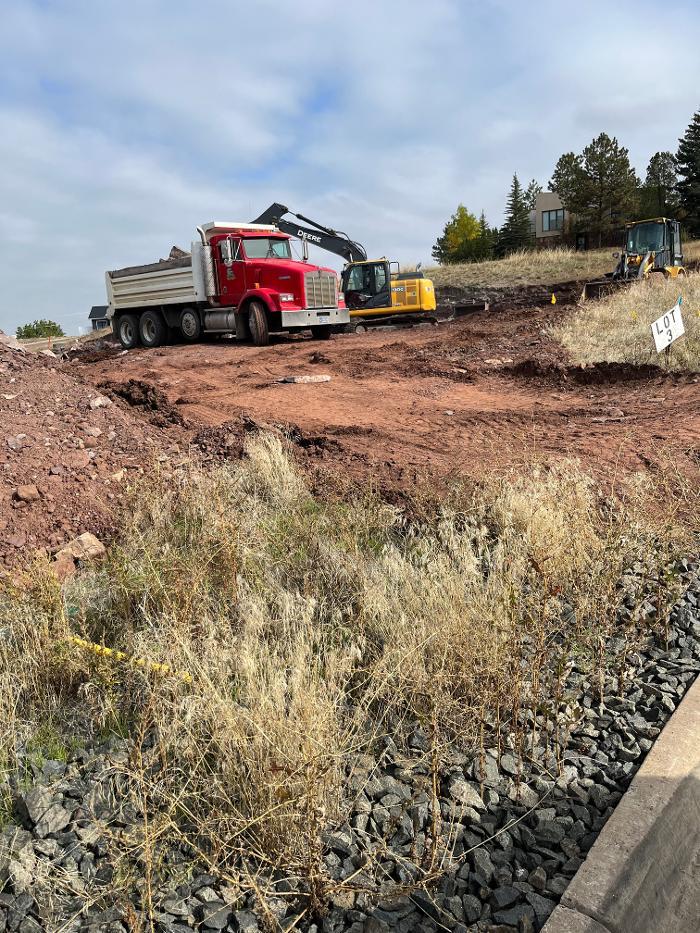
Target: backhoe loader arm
{"type": "Point", "coordinates": [332, 240]}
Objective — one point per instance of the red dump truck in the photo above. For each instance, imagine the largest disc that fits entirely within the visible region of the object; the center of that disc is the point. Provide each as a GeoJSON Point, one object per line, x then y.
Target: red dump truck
{"type": "Point", "coordinates": [238, 278]}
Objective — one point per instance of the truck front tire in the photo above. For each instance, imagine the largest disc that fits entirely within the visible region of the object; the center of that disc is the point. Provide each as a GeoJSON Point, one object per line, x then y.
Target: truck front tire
{"type": "Point", "coordinates": [257, 321]}
{"type": "Point", "coordinates": [152, 329]}
{"type": "Point", "coordinates": [128, 331]}
{"type": "Point", "coordinates": [190, 325]}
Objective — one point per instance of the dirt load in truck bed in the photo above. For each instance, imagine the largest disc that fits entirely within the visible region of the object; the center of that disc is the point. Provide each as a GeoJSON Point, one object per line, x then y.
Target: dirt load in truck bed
{"type": "Point", "coordinates": [486, 391]}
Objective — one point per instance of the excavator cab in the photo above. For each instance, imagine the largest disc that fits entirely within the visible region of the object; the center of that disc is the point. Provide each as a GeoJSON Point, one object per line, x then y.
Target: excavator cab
{"type": "Point", "coordinates": [367, 285]}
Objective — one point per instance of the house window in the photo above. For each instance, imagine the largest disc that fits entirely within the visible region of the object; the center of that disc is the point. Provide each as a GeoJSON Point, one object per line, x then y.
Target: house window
{"type": "Point", "coordinates": [553, 220]}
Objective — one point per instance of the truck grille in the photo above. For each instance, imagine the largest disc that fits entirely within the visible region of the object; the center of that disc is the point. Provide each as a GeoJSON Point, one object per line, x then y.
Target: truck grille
{"type": "Point", "coordinates": [321, 290]}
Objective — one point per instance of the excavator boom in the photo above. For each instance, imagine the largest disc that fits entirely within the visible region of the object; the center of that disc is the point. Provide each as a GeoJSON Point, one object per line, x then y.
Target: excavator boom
{"type": "Point", "coordinates": [325, 237]}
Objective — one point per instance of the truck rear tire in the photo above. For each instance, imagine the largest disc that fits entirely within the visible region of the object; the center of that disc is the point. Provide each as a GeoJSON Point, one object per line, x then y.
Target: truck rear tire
{"type": "Point", "coordinates": [152, 329]}
{"type": "Point", "coordinates": [321, 332]}
{"type": "Point", "coordinates": [257, 321]}
{"type": "Point", "coordinates": [128, 331]}
{"type": "Point", "coordinates": [190, 325]}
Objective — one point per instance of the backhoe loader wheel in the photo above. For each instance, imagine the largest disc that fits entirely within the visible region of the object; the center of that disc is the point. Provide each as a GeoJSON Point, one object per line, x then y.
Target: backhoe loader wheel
{"type": "Point", "coordinates": [153, 330]}
{"type": "Point", "coordinates": [128, 331]}
{"type": "Point", "coordinates": [257, 321]}
{"type": "Point", "coordinates": [321, 332]}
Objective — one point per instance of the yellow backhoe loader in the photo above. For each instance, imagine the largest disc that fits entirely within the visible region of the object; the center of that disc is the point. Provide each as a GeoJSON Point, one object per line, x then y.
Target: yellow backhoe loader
{"type": "Point", "coordinates": [651, 247]}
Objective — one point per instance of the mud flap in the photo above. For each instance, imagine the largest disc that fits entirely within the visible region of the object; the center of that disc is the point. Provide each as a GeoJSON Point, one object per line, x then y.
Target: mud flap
{"type": "Point", "coordinates": [242, 326]}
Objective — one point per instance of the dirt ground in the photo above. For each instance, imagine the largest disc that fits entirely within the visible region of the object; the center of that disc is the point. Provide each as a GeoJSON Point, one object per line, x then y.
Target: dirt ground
{"type": "Point", "coordinates": [67, 451]}
{"type": "Point", "coordinates": [487, 391]}
{"type": "Point", "coordinates": [402, 407]}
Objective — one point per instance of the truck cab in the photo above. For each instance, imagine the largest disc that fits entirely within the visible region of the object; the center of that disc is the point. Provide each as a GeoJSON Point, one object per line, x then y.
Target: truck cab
{"type": "Point", "coordinates": [238, 278]}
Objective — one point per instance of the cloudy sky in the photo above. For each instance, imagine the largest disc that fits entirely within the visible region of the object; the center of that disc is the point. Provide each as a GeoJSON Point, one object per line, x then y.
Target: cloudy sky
{"type": "Point", "coordinates": [124, 124]}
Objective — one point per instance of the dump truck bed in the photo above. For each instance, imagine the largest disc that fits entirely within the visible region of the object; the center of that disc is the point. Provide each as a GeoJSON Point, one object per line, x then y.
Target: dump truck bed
{"type": "Point", "coordinates": [171, 281]}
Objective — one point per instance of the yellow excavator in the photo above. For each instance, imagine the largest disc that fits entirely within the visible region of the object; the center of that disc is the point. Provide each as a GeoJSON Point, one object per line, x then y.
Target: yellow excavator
{"type": "Point", "coordinates": [651, 247]}
{"type": "Point", "coordinates": [374, 289]}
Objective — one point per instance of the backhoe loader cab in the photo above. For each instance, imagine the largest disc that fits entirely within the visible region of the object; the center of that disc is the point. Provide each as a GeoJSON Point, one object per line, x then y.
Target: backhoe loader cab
{"type": "Point", "coordinates": [651, 246]}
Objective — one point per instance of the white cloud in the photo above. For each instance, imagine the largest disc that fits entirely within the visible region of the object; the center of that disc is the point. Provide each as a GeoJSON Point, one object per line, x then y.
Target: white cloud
{"type": "Point", "coordinates": [123, 126]}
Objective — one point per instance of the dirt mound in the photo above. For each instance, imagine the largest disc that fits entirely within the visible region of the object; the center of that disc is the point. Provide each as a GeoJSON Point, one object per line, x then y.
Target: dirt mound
{"type": "Point", "coordinates": [221, 442]}
{"type": "Point", "coordinates": [598, 374]}
{"type": "Point", "coordinates": [144, 395]}
{"type": "Point", "coordinates": [226, 441]}
{"type": "Point", "coordinates": [66, 453]}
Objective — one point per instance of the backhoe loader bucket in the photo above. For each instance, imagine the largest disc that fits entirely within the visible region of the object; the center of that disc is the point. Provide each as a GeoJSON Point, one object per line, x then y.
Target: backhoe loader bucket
{"type": "Point", "coordinates": [601, 288]}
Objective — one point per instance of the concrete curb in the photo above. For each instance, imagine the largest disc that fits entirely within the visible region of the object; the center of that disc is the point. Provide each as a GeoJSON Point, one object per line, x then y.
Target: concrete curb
{"type": "Point", "coordinates": [642, 875]}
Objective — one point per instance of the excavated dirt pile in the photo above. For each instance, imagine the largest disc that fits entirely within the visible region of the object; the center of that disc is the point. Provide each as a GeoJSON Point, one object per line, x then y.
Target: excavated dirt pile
{"type": "Point", "coordinates": [66, 452]}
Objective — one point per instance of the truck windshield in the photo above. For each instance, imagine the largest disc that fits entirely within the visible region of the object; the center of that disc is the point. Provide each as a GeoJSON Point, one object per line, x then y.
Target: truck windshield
{"type": "Point", "coordinates": [266, 247]}
{"type": "Point", "coordinates": [646, 238]}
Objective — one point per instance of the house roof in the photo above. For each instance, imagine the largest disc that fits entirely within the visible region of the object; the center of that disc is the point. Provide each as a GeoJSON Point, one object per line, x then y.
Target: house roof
{"type": "Point", "coordinates": [98, 313]}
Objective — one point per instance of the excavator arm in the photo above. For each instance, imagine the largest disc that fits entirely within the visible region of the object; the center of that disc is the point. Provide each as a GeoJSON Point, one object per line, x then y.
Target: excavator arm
{"type": "Point", "coordinates": [325, 237]}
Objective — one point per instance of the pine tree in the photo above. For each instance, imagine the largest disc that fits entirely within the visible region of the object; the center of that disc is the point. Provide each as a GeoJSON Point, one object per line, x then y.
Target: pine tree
{"type": "Point", "coordinates": [658, 194]}
{"type": "Point", "coordinates": [531, 192]}
{"type": "Point", "coordinates": [515, 233]}
{"type": "Point", "coordinates": [688, 165]}
{"type": "Point", "coordinates": [599, 187]}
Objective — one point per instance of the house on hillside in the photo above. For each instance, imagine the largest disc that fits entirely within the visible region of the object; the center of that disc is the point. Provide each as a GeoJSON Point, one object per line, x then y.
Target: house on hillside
{"type": "Point", "coordinates": [555, 226]}
{"type": "Point", "coordinates": [552, 221]}
{"type": "Point", "coordinates": [98, 316]}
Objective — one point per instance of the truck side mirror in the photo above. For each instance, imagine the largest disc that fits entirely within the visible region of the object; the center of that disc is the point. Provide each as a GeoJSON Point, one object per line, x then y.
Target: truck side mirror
{"type": "Point", "coordinates": [228, 254]}
{"type": "Point", "coordinates": [225, 248]}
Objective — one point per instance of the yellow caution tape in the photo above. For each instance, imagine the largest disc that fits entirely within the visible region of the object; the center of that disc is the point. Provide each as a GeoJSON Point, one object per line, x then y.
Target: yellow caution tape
{"type": "Point", "coordinates": [122, 658]}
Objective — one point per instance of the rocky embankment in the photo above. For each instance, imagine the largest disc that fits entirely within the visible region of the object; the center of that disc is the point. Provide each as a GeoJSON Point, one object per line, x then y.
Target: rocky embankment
{"type": "Point", "coordinates": [490, 845]}
{"type": "Point", "coordinates": [67, 451]}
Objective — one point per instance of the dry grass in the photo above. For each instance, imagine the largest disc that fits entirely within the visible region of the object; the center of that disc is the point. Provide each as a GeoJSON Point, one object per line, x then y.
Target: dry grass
{"type": "Point", "coordinates": [311, 629]}
{"type": "Point", "coordinates": [691, 251]}
{"type": "Point", "coordinates": [617, 328]}
{"type": "Point", "coordinates": [543, 267]}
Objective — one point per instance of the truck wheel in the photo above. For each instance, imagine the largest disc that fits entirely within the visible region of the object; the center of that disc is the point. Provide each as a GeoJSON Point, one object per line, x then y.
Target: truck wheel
{"type": "Point", "coordinates": [321, 332]}
{"type": "Point", "coordinates": [128, 331]}
{"type": "Point", "coordinates": [152, 329]}
{"type": "Point", "coordinates": [190, 325]}
{"type": "Point", "coordinates": [257, 320]}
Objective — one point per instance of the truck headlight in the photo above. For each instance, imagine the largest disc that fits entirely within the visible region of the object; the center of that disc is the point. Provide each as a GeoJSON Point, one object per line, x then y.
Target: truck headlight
{"type": "Point", "coordinates": [286, 296]}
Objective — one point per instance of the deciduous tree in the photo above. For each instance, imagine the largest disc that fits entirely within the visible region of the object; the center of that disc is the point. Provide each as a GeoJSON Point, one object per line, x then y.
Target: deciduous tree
{"type": "Point", "coordinates": [39, 328]}
{"type": "Point", "coordinates": [458, 238]}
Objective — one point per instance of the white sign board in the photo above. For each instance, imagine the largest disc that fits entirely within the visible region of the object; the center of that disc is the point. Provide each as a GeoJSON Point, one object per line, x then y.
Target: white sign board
{"type": "Point", "coordinates": [668, 327]}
